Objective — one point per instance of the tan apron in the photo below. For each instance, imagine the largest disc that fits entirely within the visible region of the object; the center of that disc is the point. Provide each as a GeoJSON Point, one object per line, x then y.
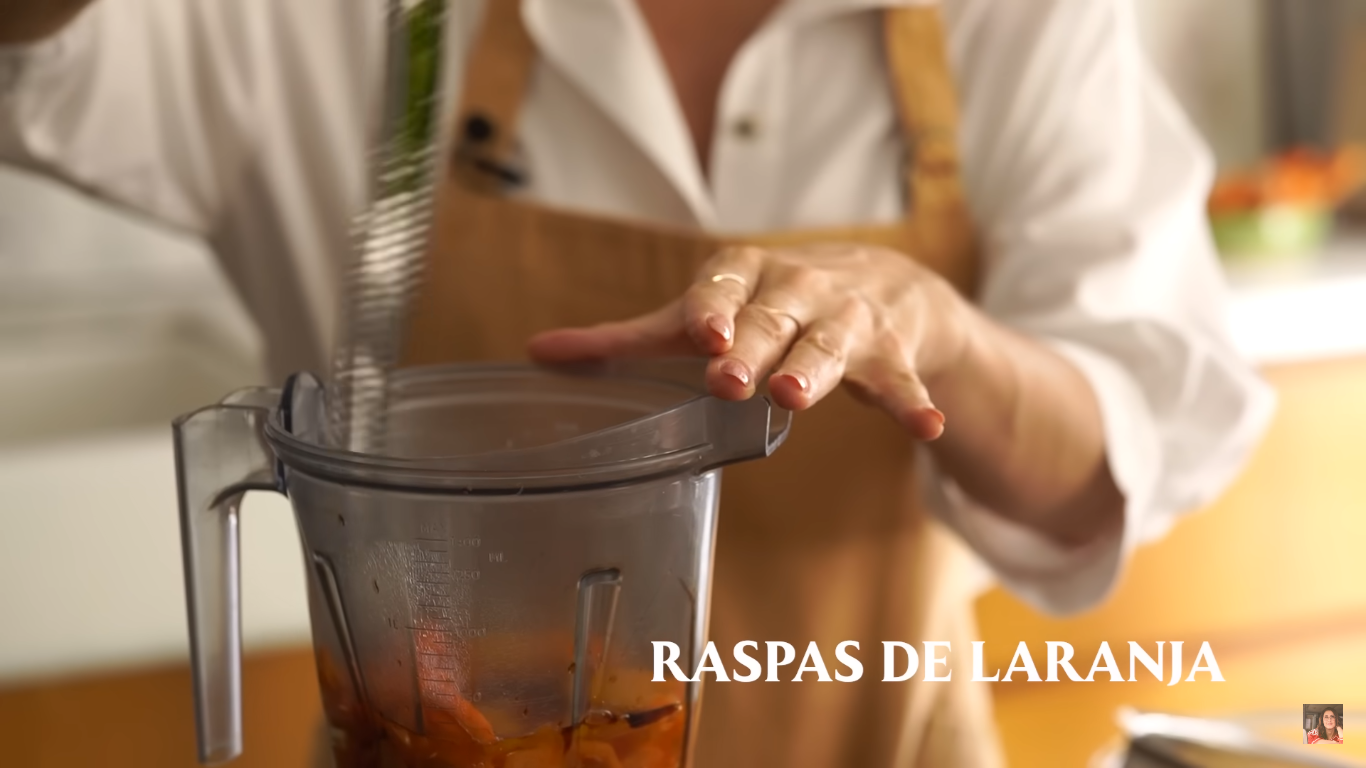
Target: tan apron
{"type": "Point", "coordinates": [826, 540]}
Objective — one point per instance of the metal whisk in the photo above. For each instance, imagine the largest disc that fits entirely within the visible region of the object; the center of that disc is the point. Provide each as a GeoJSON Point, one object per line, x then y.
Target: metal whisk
{"type": "Point", "coordinates": [391, 236]}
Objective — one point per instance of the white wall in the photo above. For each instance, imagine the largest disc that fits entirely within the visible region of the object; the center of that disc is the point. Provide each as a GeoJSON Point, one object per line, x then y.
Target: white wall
{"type": "Point", "coordinates": [106, 321]}
{"type": "Point", "coordinates": [109, 328]}
{"type": "Point", "coordinates": [1210, 53]}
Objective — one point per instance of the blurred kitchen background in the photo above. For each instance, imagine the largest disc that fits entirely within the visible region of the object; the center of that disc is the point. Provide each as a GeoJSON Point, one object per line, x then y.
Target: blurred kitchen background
{"type": "Point", "coordinates": [110, 326]}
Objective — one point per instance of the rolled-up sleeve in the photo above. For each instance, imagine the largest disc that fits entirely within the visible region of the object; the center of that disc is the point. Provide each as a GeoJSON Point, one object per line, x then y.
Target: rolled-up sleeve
{"type": "Point", "coordinates": [1089, 185]}
{"type": "Point", "coordinates": [142, 102]}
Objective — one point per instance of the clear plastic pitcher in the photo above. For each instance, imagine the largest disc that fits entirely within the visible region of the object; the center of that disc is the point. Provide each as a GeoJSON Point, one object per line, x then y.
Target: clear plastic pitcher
{"type": "Point", "coordinates": [487, 592]}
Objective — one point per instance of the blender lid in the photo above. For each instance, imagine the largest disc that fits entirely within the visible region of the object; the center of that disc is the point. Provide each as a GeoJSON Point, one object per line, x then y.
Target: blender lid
{"type": "Point", "coordinates": [520, 428]}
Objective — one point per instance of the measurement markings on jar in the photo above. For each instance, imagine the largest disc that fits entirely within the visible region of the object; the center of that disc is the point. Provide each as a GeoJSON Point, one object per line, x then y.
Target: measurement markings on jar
{"type": "Point", "coordinates": [442, 623]}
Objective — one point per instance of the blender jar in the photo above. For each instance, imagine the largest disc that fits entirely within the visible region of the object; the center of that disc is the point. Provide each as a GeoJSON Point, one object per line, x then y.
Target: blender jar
{"type": "Point", "coordinates": [486, 589]}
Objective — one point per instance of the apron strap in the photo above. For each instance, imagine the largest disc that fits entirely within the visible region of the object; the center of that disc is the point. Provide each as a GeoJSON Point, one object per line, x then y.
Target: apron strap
{"type": "Point", "coordinates": [927, 104]}
{"type": "Point", "coordinates": [498, 72]}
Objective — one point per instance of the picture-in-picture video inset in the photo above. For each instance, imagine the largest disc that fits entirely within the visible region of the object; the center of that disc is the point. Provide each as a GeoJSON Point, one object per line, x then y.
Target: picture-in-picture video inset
{"type": "Point", "coordinates": [1323, 723]}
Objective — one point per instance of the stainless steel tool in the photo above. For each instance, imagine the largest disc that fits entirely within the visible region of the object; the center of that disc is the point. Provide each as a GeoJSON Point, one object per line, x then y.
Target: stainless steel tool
{"type": "Point", "coordinates": [391, 235]}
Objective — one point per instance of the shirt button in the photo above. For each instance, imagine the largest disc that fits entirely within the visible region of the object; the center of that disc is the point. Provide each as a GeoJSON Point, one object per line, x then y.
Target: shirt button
{"type": "Point", "coordinates": [746, 128]}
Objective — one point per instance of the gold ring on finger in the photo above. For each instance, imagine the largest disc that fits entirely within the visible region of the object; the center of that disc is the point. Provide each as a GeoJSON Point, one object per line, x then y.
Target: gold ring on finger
{"type": "Point", "coordinates": [730, 276]}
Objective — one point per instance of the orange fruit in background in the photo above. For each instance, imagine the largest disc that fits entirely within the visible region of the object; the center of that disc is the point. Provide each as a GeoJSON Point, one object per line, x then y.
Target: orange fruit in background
{"type": "Point", "coordinates": [1300, 177]}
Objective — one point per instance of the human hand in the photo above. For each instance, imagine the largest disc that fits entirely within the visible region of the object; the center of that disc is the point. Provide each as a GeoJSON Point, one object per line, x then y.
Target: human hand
{"type": "Point", "coordinates": [815, 317]}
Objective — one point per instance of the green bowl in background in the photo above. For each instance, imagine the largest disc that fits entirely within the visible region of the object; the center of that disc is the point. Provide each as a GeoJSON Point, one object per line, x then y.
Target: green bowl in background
{"type": "Point", "coordinates": [1283, 233]}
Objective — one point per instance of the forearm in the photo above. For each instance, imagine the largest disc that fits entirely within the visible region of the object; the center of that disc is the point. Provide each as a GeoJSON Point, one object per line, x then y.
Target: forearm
{"type": "Point", "coordinates": [1023, 434]}
{"type": "Point", "coordinates": [27, 21]}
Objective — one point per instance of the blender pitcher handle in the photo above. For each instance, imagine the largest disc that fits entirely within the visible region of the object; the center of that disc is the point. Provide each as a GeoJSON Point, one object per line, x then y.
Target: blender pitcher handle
{"type": "Point", "coordinates": [220, 455]}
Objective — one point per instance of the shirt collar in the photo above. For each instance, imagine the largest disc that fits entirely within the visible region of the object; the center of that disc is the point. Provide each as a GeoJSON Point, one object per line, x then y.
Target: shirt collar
{"type": "Point", "coordinates": [605, 48]}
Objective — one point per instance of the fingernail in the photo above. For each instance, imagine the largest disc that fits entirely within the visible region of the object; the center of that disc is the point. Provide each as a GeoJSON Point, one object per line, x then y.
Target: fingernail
{"type": "Point", "coordinates": [933, 420]}
{"type": "Point", "coordinates": [796, 380]}
{"type": "Point", "coordinates": [719, 324]}
{"type": "Point", "coordinates": [736, 370]}
{"type": "Point", "coordinates": [937, 416]}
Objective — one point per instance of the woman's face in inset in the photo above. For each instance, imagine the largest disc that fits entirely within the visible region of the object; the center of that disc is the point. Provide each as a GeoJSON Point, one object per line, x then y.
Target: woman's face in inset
{"type": "Point", "coordinates": [1330, 720]}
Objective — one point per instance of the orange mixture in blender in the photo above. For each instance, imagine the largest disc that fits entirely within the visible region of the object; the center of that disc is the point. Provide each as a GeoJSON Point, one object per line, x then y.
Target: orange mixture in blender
{"type": "Point", "coordinates": [650, 735]}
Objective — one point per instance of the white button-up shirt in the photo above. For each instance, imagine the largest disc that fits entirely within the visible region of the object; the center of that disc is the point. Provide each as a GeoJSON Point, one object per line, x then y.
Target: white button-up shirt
{"type": "Point", "coordinates": [248, 122]}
